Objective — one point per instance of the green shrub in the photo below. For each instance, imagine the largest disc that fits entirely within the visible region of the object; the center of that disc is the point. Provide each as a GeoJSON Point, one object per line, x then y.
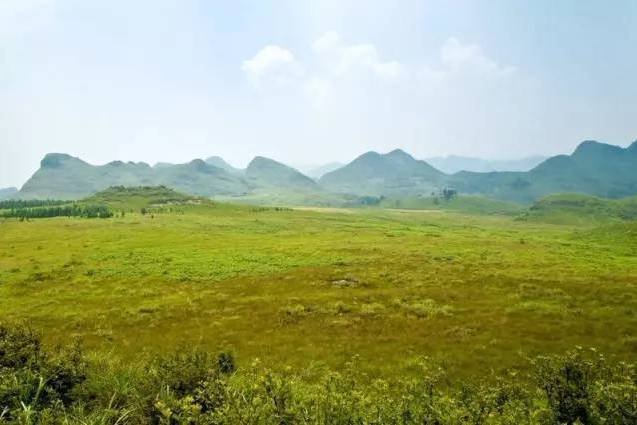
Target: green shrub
{"type": "Point", "coordinates": [583, 386]}
{"type": "Point", "coordinates": [195, 387]}
{"type": "Point", "coordinates": [33, 382]}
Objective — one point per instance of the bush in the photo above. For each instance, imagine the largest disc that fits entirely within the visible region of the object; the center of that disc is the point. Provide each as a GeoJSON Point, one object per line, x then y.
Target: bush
{"type": "Point", "coordinates": [33, 382]}
{"type": "Point", "coordinates": [19, 348]}
{"type": "Point", "coordinates": [581, 386]}
{"type": "Point", "coordinates": [196, 387]}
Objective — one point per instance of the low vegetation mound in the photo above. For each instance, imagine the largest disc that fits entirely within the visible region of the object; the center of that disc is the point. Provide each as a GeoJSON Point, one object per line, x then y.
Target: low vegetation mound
{"type": "Point", "coordinates": [100, 205]}
{"type": "Point", "coordinates": [133, 198]}
{"type": "Point", "coordinates": [578, 208]}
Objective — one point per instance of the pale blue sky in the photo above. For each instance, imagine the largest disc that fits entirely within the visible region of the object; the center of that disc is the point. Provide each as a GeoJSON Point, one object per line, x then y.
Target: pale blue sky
{"type": "Point", "coordinates": [307, 82]}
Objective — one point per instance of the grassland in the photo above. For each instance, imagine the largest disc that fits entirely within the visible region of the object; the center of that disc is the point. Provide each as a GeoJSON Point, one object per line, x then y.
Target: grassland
{"type": "Point", "coordinates": [315, 289]}
{"type": "Point", "coordinates": [460, 204]}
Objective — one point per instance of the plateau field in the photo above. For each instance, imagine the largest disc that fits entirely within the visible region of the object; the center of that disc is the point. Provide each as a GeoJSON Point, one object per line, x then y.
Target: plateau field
{"type": "Point", "coordinates": [298, 287]}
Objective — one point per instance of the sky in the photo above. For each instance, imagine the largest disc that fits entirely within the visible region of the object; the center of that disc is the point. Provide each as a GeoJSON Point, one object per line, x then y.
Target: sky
{"type": "Point", "coordinates": [311, 81]}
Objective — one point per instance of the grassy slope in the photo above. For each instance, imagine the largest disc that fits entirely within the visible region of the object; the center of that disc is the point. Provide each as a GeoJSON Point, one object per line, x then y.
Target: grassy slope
{"type": "Point", "coordinates": [303, 287]}
{"type": "Point", "coordinates": [579, 208]}
{"type": "Point", "coordinates": [134, 198]}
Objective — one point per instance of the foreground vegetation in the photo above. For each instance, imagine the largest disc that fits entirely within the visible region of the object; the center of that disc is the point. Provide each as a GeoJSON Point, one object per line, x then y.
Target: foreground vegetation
{"type": "Point", "coordinates": [195, 387]}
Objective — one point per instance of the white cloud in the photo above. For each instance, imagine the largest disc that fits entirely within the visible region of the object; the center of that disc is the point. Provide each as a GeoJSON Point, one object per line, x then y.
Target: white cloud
{"type": "Point", "coordinates": [456, 56]}
{"type": "Point", "coordinates": [336, 68]}
{"type": "Point", "coordinates": [331, 68]}
{"type": "Point", "coordinates": [273, 65]}
{"type": "Point", "coordinates": [353, 91]}
{"type": "Point", "coordinates": [338, 58]}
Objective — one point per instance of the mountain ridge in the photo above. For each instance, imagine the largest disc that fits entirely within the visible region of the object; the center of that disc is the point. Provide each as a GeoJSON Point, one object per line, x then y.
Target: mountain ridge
{"type": "Point", "coordinates": [63, 176]}
{"type": "Point", "coordinates": [593, 168]}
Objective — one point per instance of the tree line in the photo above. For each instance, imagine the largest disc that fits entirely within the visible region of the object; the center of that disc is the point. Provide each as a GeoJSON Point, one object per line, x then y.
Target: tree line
{"type": "Point", "coordinates": [30, 203]}
{"type": "Point", "coordinates": [72, 210]}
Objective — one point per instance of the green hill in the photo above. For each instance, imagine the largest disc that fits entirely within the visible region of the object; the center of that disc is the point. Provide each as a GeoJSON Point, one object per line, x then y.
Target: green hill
{"type": "Point", "coordinates": [574, 208]}
{"type": "Point", "coordinates": [120, 197]}
{"type": "Point", "coordinates": [62, 176]}
{"type": "Point", "coordinates": [392, 174]}
{"type": "Point", "coordinates": [265, 172]}
{"type": "Point", "coordinates": [200, 178]}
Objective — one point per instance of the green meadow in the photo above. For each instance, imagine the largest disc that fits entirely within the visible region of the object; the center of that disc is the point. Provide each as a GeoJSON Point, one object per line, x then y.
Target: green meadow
{"type": "Point", "coordinates": [316, 288]}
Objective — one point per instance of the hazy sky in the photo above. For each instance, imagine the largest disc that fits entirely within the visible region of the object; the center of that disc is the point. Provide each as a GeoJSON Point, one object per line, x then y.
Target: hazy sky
{"type": "Point", "coordinates": [313, 81]}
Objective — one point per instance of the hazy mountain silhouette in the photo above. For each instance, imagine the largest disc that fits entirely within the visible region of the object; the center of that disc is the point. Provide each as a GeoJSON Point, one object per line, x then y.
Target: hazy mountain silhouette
{"type": "Point", "coordinates": [453, 164]}
{"type": "Point", "coordinates": [219, 162]}
{"type": "Point", "coordinates": [8, 192]}
{"type": "Point", "coordinates": [62, 176]}
{"type": "Point", "coordinates": [594, 168]}
{"type": "Point", "coordinates": [318, 171]}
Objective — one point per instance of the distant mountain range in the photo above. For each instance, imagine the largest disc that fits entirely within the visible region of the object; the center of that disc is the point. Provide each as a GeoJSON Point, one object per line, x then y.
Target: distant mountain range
{"type": "Point", "coordinates": [593, 168]}
{"type": "Point", "coordinates": [453, 164]}
{"type": "Point", "coordinates": [62, 176]}
{"type": "Point", "coordinates": [318, 171]}
{"type": "Point", "coordinates": [8, 192]}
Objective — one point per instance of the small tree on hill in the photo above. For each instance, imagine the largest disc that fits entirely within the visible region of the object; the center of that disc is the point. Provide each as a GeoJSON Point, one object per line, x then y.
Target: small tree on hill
{"type": "Point", "coordinates": [449, 194]}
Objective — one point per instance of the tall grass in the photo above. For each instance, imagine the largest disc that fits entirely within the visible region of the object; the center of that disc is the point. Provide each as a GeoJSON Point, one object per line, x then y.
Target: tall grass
{"type": "Point", "coordinates": [192, 386]}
